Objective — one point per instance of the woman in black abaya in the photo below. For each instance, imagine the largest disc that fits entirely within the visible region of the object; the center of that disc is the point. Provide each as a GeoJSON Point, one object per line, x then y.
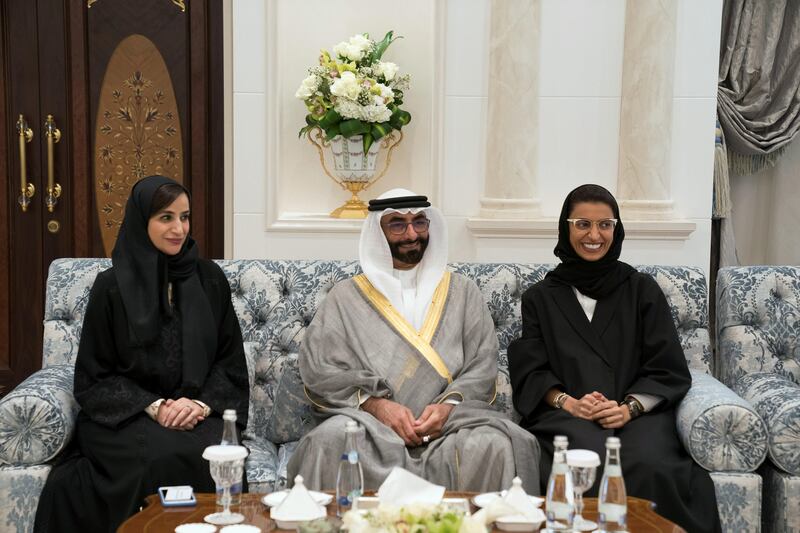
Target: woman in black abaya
{"type": "Point", "coordinates": [160, 358]}
{"type": "Point", "coordinates": [599, 356]}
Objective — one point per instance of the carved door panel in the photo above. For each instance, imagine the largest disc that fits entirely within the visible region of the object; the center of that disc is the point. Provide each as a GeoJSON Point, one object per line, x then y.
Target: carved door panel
{"type": "Point", "coordinates": [134, 89]}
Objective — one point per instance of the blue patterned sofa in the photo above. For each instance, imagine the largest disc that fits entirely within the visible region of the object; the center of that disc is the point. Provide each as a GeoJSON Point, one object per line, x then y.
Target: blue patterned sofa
{"type": "Point", "coordinates": [758, 331]}
{"type": "Point", "coordinates": [276, 300]}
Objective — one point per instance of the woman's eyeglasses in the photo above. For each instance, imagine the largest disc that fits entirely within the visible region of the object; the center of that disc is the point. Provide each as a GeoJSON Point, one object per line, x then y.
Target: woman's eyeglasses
{"type": "Point", "coordinates": [584, 224]}
{"type": "Point", "coordinates": [398, 227]}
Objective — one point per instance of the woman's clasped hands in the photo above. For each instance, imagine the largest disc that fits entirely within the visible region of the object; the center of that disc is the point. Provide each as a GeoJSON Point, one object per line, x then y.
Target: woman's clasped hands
{"type": "Point", "coordinates": [596, 407]}
{"type": "Point", "coordinates": [181, 414]}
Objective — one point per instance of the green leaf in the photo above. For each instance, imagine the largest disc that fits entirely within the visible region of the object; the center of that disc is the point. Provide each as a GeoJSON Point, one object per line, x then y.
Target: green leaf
{"type": "Point", "coordinates": [367, 142]}
{"type": "Point", "coordinates": [351, 127]}
{"type": "Point", "coordinates": [310, 120]}
{"type": "Point", "coordinates": [400, 118]}
{"type": "Point", "coordinates": [381, 47]}
{"type": "Point", "coordinates": [329, 119]}
{"type": "Point", "coordinates": [331, 132]}
{"type": "Point", "coordinates": [380, 129]}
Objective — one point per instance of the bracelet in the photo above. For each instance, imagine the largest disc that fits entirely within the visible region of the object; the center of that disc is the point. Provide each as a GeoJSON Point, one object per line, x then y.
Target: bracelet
{"type": "Point", "coordinates": [560, 399]}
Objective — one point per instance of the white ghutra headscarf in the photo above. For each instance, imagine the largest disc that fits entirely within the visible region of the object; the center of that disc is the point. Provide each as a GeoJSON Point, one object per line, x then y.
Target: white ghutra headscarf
{"type": "Point", "coordinates": [376, 257]}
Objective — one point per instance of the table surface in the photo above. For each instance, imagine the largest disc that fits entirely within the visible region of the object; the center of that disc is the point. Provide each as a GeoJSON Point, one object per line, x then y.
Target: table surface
{"type": "Point", "coordinates": [155, 518]}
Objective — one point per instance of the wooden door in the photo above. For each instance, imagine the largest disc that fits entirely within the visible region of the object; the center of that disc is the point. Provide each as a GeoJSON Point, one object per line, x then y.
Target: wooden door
{"type": "Point", "coordinates": [134, 89]}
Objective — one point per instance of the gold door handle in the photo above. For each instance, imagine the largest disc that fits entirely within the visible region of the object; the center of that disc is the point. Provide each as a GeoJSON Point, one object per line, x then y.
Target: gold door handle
{"type": "Point", "coordinates": [53, 135]}
{"type": "Point", "coordinates": [27, 190]}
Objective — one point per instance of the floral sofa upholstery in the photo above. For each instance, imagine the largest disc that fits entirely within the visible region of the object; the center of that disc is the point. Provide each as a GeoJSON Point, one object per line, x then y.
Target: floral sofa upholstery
{"type": "Point", "coordinates": [276, 300]}
{"type": "Point", "coordinates": [758, 331]}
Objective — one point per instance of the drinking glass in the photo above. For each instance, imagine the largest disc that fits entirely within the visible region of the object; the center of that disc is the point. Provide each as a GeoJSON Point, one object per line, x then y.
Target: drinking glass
{"type": "Point", "coordinates": [583, 465]}
{"type": "Point", "coordinates": [227, 467]}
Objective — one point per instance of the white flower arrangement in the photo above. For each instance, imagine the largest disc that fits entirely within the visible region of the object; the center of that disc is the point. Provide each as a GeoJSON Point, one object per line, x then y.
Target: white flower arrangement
{"type": "Point", "coordinates": [414, 518]}
{"type": "Point", "coordinates": [355, 92]}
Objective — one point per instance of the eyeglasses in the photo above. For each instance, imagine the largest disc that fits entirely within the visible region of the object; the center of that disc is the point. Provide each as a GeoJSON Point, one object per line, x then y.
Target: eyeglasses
{"type": "Point", "coordinates": [584, 224]}
{"type": "Point", "coordinates": [398, 227]}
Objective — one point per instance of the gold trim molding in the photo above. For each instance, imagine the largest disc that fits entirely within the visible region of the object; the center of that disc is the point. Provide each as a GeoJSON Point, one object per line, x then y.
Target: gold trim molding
{"type": "Point", "coordinates": [179, 3]}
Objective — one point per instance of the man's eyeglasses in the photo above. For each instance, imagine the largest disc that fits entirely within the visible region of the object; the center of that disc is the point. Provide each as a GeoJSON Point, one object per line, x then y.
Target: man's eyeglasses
{"type": "Point", "coordinates": [398, 227]}
{"type": "Point", "coordinates": [584, 224]}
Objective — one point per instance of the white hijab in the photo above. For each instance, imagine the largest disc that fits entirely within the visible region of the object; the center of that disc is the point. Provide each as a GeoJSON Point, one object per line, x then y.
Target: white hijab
{"type": "Point", "coordinates": [376, 258]}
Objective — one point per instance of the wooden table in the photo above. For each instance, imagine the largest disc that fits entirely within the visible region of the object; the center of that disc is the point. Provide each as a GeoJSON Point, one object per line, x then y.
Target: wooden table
{"type": "Point", "coordinates": [155, 518]}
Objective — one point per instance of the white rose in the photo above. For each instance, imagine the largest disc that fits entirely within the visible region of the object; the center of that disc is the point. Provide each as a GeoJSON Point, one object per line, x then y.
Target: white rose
{"type": "Point", "coordinates": [354, 52]}
{"type": "Point", "coordinates": [346, 86]}
{"type": "Point", "coordinates": [388, 70]}
{"type": "Point", "coordinates": [307, 87]}
{"type": "Point", "coordinates": [341, 49]}
{"type": "Point", "coordinates": [360, 41]}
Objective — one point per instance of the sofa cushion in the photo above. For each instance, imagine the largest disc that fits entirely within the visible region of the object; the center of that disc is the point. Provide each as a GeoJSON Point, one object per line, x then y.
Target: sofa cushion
{"type": "Point", "coordinates": [38, 417]}
{"type": "Point", "coordinates": [720, 430]}
{"type": "Point", "coordinates": [69, 282]}
{"type": "Point", "coordinates": [777, 400]}
{"type": "Point", "coordinates": [275, 301]}
{"type": "Point", "coordinates": [758, 321]}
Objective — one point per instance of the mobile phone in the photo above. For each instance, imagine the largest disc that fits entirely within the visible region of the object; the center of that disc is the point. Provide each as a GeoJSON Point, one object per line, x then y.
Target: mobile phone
{"type": "Point", "coordinates": [177, 496]}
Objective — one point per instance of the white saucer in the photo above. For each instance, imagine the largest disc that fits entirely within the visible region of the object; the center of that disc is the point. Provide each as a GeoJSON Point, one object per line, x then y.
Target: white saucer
{"type": "Point", "coordinates": [196, 527]}
{"type": "Point", "coordinates": [274, 498]}
{"type": "Point", "coordinates": [484, 499]}
{"type": "Point", "coordinates": [520, 523]}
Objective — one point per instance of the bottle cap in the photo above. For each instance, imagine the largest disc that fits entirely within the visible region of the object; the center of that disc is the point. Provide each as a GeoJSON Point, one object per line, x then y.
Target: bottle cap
{"type": "Point", "coordinates": [560, 439]}
{"type": "Point", "coordinates": [229, 414]}
{"type": "Point", "coordinates": [613, 442]}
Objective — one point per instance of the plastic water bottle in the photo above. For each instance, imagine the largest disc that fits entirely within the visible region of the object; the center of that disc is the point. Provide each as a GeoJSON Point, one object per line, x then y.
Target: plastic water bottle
{"type": "Point", "coordinates": [350, 477]}
{"type": "Point", "coordinates": [560, 503]}
{"type": "Point", "coordinates": [229, 438]}
{"type": "Point", "coordinates": [612, 505]}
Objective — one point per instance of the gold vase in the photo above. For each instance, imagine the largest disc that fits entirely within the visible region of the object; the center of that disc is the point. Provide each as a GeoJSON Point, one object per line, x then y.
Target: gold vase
{"type": "Point", "coordinates": [353, 170]}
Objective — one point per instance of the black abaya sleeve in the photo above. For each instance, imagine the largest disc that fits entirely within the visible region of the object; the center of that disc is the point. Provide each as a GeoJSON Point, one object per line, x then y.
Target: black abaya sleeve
{"type": "Point", "coordinates": [104, 395]}
{"type": "Point", "coordinates": [528, 364]}
{"type": "Point", "coordinates": [663, 370]}
{"type": "Point", "coordinates": [227, 385]}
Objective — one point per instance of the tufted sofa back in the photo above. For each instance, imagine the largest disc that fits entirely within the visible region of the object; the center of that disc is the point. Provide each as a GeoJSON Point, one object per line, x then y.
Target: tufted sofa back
{"type": "Point", "coordinates": [758, 321]}
{"type": "Point", "coordinates": [276, 300]}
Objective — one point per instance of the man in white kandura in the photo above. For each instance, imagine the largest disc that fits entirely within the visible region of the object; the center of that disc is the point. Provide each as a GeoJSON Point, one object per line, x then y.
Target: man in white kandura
{"type": "Point", "coordinates": [409, 351]}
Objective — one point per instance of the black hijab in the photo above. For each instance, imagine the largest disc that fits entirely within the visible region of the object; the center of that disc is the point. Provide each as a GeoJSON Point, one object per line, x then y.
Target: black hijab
{"type": "Point", "coordinates": [595, 279]}
{"type": "Point", "coordinates": [143, 273]}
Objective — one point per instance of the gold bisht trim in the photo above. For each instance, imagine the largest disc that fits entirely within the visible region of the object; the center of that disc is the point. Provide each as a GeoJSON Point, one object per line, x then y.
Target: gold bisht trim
{"type": "Point", "coordinates": [451, 393]}
{"type": "Point", "coordinates": [310, 399]}
{"type": "Point", "coordinates": [421, 340]}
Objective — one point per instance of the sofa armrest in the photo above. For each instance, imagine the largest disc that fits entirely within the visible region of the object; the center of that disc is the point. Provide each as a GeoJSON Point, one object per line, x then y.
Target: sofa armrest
{"type": "Point", "coordinates": [37, 418]}
{"type": "Point", "coordinates": [720, 430]}
{"type": "Point", "coordinates": [777, 400]}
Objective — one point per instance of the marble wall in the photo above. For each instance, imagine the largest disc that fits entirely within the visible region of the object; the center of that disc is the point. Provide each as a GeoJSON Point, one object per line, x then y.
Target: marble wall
{"type": "Point", "coordinates": [280, 194]}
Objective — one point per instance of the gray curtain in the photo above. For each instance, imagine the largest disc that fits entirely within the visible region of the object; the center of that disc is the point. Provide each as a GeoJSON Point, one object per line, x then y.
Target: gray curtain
{"type": "Point", "coordinates": [758, 100]}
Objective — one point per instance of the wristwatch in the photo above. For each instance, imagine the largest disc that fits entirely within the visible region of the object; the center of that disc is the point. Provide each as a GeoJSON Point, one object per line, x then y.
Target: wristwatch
{"type": "Point", "coordinates": [635, 407]}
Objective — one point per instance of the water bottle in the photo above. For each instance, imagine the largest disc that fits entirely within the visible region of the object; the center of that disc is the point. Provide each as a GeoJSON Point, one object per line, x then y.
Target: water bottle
{"type": "Point", "coordinates": [560, 443]}
{"type": "Point", "coordinates": [560, 503]}
{"type": "Point", "coordinates": [350, 477]}
{"type": "Point", "coordinates": [612, 505]}
{"type": "Point", "coordinates": [229, 438]}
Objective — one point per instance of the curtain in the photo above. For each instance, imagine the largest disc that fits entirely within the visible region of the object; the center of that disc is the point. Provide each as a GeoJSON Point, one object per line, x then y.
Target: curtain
{"type": "Point", "coordinates": [758, 109]}
{"type": "Point", "coordinates": [759, 75]}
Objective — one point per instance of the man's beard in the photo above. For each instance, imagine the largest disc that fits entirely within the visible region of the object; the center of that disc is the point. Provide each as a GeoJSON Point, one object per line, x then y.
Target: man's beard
{"type": "Point", "coordinates": [411, 257]}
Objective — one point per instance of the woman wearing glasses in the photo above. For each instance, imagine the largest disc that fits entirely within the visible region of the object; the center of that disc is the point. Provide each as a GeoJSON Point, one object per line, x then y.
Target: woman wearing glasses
{"type": "Point", "coordinates": [599, 356]}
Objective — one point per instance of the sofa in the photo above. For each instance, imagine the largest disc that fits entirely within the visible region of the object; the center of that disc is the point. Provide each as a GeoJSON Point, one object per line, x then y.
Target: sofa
{"type": "Point", "coordinates": [276, 300]}
{"type": "Point", "coordinates": [758, 332]}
